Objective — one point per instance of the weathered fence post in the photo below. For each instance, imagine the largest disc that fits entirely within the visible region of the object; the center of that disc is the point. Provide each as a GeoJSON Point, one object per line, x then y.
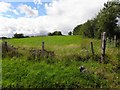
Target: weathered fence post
{"type": "Point", "coordinates": [6, 46]}
{"type": "Point", "coordinates": [92, 49]}
{"type": "Point", "coordinates": [43, 46]}
{"type": "Point", "coordinates": [115, 41]}
{"type": "Point", "coordinates": [103, 38]}
{"type": "Point", "coordinates": [43, 50]}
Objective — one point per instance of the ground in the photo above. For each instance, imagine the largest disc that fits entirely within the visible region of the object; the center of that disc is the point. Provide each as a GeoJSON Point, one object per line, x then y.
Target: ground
{"type": "Point", "coordinates": [62, 70]}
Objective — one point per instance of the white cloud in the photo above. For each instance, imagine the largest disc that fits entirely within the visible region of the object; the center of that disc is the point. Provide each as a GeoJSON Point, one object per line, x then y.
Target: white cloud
{"type": "Point", "coordinates": [4, 7]}
{"type": "Point", "coordinates": [28, 11]}
{"type": "Point", "coordinates": [38, 1]}
{"type": "Point", "coordinates": [24, 9]}
{"type": "Point", "coordinates": [27, 26]}
{"type": "Point", "coordinates": [68, 13]}
{"type": "Point", "coordinates": [15, 12]}
{"type": "Point", "coordinates": [62, 15]}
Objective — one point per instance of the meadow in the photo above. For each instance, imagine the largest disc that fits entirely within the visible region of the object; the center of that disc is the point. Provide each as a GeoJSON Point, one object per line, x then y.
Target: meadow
{"type": "Point", "coordinates": [62, 70]}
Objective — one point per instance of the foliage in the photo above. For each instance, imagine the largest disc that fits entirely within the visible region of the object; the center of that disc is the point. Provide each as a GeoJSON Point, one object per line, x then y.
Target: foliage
{"type": "Point", "coordinates": [107, 18]}
{"type": "Point", "coordinates": [70, 33]}
{"type": "Point", "coordinates": [50, 34]}
{"type": "Point", "coordinates": [76, 30]}
{"type": "Point", "coordinates": [87, 29]}
{"type": "Point", "coordinates": [55, 33]}
{"type": "Point", "coordinates": [18, 35]}
{"type": "Point", "coordinates": [105, 21]}
{"type": "Point", "coordinates": [5, 38]}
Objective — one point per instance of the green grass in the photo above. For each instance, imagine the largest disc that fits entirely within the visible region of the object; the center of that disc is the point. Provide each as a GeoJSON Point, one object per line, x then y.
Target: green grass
{"type": "Point", "coordinates": [62, 71]}
{"type": "Point", "coordinates": [44, 75]}
{"type": "Point", "coordinates": [61, 45]}
{"type": "Point", "coordinates": [54, 40]}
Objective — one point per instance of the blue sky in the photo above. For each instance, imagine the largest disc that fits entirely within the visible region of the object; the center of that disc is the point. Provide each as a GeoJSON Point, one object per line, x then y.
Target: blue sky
{"type": "Point", "coordinates": [30, 3]}
{"type": "Point", "coordinates": [24, 0]}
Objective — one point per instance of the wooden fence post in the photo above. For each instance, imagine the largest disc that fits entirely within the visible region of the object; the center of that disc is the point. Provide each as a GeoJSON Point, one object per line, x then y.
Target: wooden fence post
{"type": "Point", "coordinates": [43, 50]}
{"type": "Point", "coordinates": [115, 41]}
{"type": "Point", "coordinates": [6, 46]}
{"type": "Point", "coordinates": [103, 38]}
{"type": "Point", "coordinates": [43, 46]}
{"type": "Point", "coordinates": [92, 49]}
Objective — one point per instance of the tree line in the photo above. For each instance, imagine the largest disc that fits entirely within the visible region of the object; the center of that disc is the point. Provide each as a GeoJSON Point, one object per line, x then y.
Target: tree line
{"type": "Point", "coordinates": [21, 35]}
{"type": "Point", "coordinates": [105, 21]}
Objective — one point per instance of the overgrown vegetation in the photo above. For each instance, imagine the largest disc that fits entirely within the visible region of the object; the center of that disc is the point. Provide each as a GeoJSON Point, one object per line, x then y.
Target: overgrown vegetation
{"type": "Point", "coordinates": [61, 71]}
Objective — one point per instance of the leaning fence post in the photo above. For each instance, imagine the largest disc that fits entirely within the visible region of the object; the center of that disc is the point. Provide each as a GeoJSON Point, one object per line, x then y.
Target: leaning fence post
{"type": "Point", "coordinates": [103, 37]}
{"type": "Point", "coordinates": [92, 49]}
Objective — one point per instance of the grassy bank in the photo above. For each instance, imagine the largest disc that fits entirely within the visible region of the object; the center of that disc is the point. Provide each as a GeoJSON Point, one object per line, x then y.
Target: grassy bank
{"type": "Point", "coordinates": [62, 71]}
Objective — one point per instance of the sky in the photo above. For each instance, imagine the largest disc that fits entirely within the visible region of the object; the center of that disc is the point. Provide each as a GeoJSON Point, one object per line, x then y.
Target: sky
{"type": "Point", "coordinates": [39, 17]}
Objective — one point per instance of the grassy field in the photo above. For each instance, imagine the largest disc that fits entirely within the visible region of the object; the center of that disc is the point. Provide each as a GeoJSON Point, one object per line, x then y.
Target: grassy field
{"type": "Point", "coordinates": [61, 71]}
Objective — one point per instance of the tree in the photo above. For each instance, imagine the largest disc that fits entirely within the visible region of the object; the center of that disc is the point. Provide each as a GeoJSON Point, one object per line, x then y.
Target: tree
{"type": "Point", "coordinates": [117, 32]}
{"type": "Point", "coordinates": [4, 38]}
{"type": "Point", "coordinates": [107, 18]}
{"type": "Point", "coordinates": [70, 33]}
{"type": "Point", "coordinates": [105, 21]}
{"type": "Point", "coordinates": [18, 35]}
{"type": "Point", "coordinates": [50, 34]}
{"type": "Point", "coordinates": [76, 30]}
{"type": "Point", "coordinates": [87, 29]}
{"type": "Point", "coordinates": [57, 33]}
